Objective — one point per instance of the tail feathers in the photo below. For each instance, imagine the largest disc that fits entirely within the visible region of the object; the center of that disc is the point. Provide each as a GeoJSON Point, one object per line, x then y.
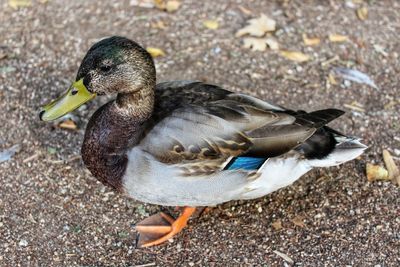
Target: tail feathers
{"type": "Point", "coordinates": [346, 149]}
{"type": "Point", "coordinates": [318, 118]}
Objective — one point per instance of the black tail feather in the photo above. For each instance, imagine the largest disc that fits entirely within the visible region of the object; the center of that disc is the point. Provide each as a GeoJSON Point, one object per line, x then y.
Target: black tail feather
{"type": "Point", "coordinates": [323, 141]}
{"type": "Point", "coordinates": [317, 118]}
{"type": "Point", "coordinates": [319, 145]}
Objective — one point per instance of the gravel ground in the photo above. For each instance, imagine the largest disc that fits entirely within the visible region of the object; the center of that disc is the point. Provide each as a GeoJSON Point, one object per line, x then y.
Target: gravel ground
{"type": "Point", "coordinates": [54, 213]}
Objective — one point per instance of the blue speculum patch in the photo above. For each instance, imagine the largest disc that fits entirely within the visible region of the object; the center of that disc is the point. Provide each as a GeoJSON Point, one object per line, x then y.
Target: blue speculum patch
{"type": "Point", "coordinates": [245, 163]}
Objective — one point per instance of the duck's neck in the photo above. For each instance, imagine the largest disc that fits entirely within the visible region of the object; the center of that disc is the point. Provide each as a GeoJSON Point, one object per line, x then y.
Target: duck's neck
{"type": "Point", "coordinates": [112, 130]}
{"type": "Point", "coordinates": [137, 105]}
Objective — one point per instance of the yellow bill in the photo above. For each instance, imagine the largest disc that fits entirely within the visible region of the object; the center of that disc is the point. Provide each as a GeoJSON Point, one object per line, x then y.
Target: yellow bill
{"type": "Point", "coordinates": [76, 96]}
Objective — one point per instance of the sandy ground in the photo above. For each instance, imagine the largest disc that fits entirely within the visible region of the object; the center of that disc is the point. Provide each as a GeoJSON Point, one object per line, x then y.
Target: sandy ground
{"type": "Point", "coordinates": [54, 213]}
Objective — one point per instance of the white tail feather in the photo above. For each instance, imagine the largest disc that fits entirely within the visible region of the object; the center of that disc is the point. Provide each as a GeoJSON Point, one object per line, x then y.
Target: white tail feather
{"type": "Point", "coordinates": [346, 150]}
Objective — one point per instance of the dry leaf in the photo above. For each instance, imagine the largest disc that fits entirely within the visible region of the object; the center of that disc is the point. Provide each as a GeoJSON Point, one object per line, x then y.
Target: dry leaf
{"type": "Point", "coordinates": [298, 221]}
{"type": "Point", "coordinates": [337, 38]}
{"type": "Point", "coordinates": [362, 13]}
{"type": "Point", "coordinates": [260, 44]}
{"type": "Point", "coordinates": [155, 52]}
{"type": "Point", "coordinates": [142, 3]}
{"type": "Point", "coordinates": [168, 5]}
{"type": "Point", "coordinates": [332, 79]}
{"type": "Point", "coordinates": [277, 225]}
{"type": "Point", "coordinates": [375, 172]}
{"type": "Point", "coordinates": [258, 27]}
{"type": "Point", "coordinates": [211, 24]}
{"type": "Point", "coordinates": [295, 56]}
{"type": "Point", "coordinates": [255, 44]}
{"type": "Point", "coordinates": [311, 41]}
{"type": "Point", "coordinates": [158, 25]}
{"type": "Point", "coordinates": [272, 43]}
{"type": "Point", "coordinates": [68, 124]}
{"type": "Point", "coordinates": [393, 170]}
{"type": "Point", "coordinates": [172, 6]}
{"type": "Point", "coordinates": [391, 104]}
{"type": "Point", "coordinates": [160, 4]}
{"type": "Point", "coordinates": [19, 3]}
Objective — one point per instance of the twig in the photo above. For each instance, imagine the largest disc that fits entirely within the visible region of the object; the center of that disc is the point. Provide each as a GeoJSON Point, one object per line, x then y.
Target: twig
{"type": "Point", "coordinates": [146, 264]}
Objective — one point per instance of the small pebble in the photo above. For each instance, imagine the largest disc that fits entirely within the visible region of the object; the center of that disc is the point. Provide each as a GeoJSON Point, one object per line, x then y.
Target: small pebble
{"type": "Point", "coordinates": [23, 243]}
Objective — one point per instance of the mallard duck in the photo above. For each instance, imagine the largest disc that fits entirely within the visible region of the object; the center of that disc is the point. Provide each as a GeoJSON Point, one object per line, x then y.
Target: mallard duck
{"type": "Point", "coordinates": [190, 144]}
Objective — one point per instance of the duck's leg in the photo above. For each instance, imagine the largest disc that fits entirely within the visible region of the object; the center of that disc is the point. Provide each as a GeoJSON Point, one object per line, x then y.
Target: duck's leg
{"type": "Point", "coordinates": [160, 227]}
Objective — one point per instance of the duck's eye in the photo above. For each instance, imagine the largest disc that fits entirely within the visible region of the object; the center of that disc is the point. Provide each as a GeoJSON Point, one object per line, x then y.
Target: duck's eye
{"type": "Point", "coordinates": [74, 92]}
{"type": "Point", "coordinates": [105, 68]}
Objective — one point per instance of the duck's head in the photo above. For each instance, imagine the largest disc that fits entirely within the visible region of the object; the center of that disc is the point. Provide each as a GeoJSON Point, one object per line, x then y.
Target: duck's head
{"type": "Point", "coordinates": [113, 65]}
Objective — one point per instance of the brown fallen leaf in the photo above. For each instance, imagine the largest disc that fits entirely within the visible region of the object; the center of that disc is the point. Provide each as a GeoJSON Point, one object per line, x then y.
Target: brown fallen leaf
{"type": "Point", "coordinates": [211, 24]}
{"type": "Point", "coordinates": [258, 27]}
{"type": "Point", "coordinates": [375, 173]}
{"type": "Point", "coordinates": [142, 3]}
{"type": "Point", "coordinates": [155, 52]}
{"type": "Point", "coordinates": [391, 104]}
{"type": "Point", "coordinates": [277, 225]}
{"type": "Point", "coordinates": [15, 4]}
{"type": "Point", "coordinates": [393, 170]}
{"type": "Point", "coordinates": [332, 79]}
{"type": "Point", "coordinates": [172, 5]}
{"type": "Point", "coordinates": [158, 25]}
{"type": "Point", "coordinates": [338, 38]}
{"type": "Point", "coordinates": [272, 43]}
{"type": "Point", "coordinates": [160, 4]}
{"type": "Point", "coordinates": [362, 13]}
{"type": "Point", "coordinates": [295, 56]}
{"type": "Point", "coordinates": [167, 5]}
{"type": "Point", "coordinates": [260, 44]}
{"type": "Point", "coordinates": [255, 44]}
{"type": "Point", "coordinates": [311, 41]}
{"type": "Point", "coordinates": [298, 221]}
{"type": "Point", "coordinates": [68, 124]}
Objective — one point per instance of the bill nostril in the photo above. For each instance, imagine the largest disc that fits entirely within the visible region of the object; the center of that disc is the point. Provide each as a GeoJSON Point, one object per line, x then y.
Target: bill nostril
{"type": "Point", "coordinates": [41, 114]}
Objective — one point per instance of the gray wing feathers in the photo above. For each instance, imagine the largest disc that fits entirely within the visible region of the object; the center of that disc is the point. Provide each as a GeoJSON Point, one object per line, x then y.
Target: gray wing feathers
{"type": "Point", "coordinates": [222, 129]}
{"type": "Point", "coordinates": [272, 141]}
{"type": "Point", "coordinates": [199, 122]}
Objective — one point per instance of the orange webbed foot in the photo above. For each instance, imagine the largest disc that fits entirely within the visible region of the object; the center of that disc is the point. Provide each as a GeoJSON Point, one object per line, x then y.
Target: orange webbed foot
{"type": "Point", "coordinates": [160, 227]}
